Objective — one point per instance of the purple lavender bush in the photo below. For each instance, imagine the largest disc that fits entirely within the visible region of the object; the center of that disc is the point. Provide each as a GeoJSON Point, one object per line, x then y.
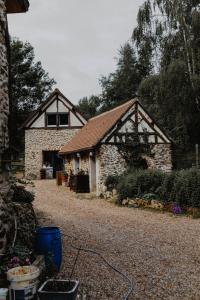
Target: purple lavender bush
{"type": "Point", "coordinates": [176, 209]}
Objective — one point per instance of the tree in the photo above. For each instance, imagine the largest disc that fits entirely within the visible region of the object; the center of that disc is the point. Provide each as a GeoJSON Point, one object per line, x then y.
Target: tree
{"type": "Point", "coordinates": [88, 106]}
{"type": "Point", "coordinates": [29, 81]}
{"type": "Point", "coordinates": [29, 84]}
{"type": "Point", "coordinates": [124, 82]}
{"type": "Point", "coordinates": [172, 27]}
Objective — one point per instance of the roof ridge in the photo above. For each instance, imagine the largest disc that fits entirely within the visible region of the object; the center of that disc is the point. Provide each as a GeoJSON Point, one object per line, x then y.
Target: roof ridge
{"type": "Point", "coordinates": [113, 109]}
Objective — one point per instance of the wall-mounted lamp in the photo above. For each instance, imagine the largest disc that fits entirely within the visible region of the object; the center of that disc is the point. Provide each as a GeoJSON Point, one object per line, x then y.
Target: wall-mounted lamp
{"type": "Point", "coordinates": [78, 155]}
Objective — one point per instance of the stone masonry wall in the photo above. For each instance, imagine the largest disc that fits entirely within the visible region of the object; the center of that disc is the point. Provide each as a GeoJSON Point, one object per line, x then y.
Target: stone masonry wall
{"type": "Point", "coordinates": [68, 164]}
{"type": "Point", "coordinates": [84, 162]}
{"type": "Point", "coordinates": [38, 140]}
{"type": "Point", "coordinates": [112, 163]}
{"type": "Point", "coordinates": [161, 158]}
{"type": "Point", "coordinates": [6, 212]}
{"type": "Point", "coordinates": [4, 96]}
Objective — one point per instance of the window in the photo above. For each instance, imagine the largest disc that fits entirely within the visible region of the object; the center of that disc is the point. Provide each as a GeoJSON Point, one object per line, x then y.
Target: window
{"type": "Point", "coordinates": [60, 119]}
{"type": "Point", "coordinates": [51, 120]}
{"type": "Point", "coordinates": [63, 119]}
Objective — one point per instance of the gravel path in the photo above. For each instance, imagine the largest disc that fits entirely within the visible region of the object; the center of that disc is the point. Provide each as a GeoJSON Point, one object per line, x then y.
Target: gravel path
{"type": "Point", "coordinates": [159, 252]}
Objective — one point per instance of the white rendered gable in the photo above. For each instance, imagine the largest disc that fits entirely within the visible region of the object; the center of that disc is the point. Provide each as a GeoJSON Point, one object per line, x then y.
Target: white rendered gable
{"type": "Point", "coordinates": [136, 119]}
{"type": "Point", "coordinates": [58, 105]}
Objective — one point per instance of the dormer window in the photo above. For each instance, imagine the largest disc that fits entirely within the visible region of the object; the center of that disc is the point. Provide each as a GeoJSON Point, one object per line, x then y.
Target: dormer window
{"type": "Point", "coordinates": [57, 119]}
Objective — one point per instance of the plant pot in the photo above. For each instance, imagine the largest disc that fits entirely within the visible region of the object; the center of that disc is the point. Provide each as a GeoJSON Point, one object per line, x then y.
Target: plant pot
{"type": "Point", "coordinates": [23, 282]}
{"type": "Point", "coordinates": [58, 290]}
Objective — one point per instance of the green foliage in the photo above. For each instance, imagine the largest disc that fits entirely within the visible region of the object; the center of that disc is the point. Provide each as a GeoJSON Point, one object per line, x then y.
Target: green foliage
{"type": "Point", "coordinates": [181, 187]}
{"type": "Point", "coordinates": [136, 183]}
{"type": "Point", "coordinates": [88, 107]}
{"type": "Point", "coordinates": [15, 256]}
{"type": "Point", "coordinates": [29, 85]}
{"type": "Point", "coordinates": [171, 31]}
{"type": "Point", "coordinates": [22, 195]}
{"type": "Point", "coordinates": [166, 98]}
{"type": "Point", "coordinates": [120, 85]}
{"type": "Point", "coordinates": [123, 83]}
{"type": "Point", "coordinates": [29, 81]}
{"type": "Point", "coordinates": [150, 196]}
{"type": "Point", "coordinates": [112, 182]}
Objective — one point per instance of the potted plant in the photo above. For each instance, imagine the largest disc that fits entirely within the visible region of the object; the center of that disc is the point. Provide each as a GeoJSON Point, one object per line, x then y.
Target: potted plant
{"type": "Point", "coordinates": [55, 289]}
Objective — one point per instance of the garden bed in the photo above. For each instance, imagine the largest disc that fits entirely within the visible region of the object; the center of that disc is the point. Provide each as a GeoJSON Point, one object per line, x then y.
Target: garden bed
{"type": "Point", "coordinates": [178, 191]}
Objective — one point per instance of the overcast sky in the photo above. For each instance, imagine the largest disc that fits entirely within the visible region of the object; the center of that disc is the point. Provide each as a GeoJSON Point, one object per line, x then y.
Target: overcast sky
{"type": "Point", "coordinates": [76, 40]}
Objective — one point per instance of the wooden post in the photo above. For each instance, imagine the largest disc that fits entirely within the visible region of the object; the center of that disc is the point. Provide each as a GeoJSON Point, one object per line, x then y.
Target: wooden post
{"type": "Point", "coordinates": [197, 155]}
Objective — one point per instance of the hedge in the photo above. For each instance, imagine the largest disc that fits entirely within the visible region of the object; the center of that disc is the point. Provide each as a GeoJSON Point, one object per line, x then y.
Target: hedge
{"type": "Point", "coordinates": [182, 187]}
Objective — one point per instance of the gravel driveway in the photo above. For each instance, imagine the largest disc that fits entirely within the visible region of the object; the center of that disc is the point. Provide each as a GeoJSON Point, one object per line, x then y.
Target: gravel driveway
{"type": "Point", "coordinates": [159, 252]}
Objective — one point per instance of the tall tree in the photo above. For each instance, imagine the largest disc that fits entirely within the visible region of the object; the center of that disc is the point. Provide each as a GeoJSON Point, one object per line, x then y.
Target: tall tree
{"type": "Point", "coordinates": [29, 85]}
{"type": "Point", "coordinates": [29, 81]}
{"type": "Point", "coordinates": [124, 82]}
{"type": "Point", "coordinates": [89, 106]}
{"type": "Point", "coordinates": [173, 26]}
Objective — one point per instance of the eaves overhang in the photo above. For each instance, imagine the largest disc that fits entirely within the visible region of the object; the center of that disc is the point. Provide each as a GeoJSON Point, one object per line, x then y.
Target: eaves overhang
{"type": "Point", "coordinates": [16, 6]}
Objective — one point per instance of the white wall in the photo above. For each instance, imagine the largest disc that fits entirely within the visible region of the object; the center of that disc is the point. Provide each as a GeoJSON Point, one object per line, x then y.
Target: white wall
{"type": "Point", "coordinates": [74, 121]}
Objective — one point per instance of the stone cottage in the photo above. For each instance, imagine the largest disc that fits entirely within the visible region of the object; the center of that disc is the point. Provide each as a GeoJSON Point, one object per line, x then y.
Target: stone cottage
{"type": "Point", "coordinates": [95, 148]}
{"type": "Point", "coordinates": [54, 123]}
{"type": "Point", "coordinates": [6, 7]}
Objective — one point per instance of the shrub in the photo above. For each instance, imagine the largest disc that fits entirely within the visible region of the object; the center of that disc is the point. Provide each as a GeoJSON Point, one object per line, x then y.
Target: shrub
{"type": "Point", "coordinates": [186, 188]}
{"type": "Point", "coordinates": [22, 195]}
{"type": "Point", "coordinates": [112, 182]}
{"type": "Point", "coordinates": [181, 187]}
{"type": "Point", "coordinates": [139, 182]}
{"type": "Point", "coordinates": [165, 190]}
{"type": "Point", "coordinates": [150, 196]}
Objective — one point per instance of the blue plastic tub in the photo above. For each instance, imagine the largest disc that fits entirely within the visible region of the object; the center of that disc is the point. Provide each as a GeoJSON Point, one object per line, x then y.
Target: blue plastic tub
{"type": "Point", "coordinates": [48, 243]}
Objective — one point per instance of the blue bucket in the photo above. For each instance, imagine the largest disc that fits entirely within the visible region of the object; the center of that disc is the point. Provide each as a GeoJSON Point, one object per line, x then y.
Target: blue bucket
{"type": "Point", "coordinates": [48, 243]}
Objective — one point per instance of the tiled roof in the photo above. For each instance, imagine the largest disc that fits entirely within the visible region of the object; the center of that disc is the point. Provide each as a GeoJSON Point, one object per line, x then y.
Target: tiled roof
{"type": "Point", "coordinates": [96, 129]}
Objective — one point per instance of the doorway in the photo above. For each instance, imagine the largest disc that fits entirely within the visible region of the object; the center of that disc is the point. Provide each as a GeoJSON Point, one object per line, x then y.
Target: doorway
{"type": "Point", "coordinates": [52, 159]}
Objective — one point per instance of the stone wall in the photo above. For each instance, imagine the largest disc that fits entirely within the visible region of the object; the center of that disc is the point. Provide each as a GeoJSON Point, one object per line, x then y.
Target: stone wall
{"type": "Point", "coordinates": [38, 140]}
{"type": "Point", "coordinates": [6, 213]}
{"type": "Point", "coordinates": [4, 100]}
{"type": "Point", "coordinates": [4, 95]}
{"type": "Point", "coordinates": [84, 162]}
{"type": "Point", "coordinates": [112, 163]}
{"type": "Point", "coordinates": [161, 158]}
{"type": "Point", "coordinates": [68, 164]}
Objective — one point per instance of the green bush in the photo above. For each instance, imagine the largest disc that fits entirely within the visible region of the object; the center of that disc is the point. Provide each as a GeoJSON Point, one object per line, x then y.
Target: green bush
{"type": "Point", "coordinates": [182, 187]}
{"type": "Point", "coordinates": [139, 182]}
{"type": "Point", "coordinates": [112, 182]}
{"type": "Point", "coordinates": [165, 190]}
{"type": "Point", "coordinates": [186, 188]}
{"type": "Point", "coordinates": [150, 196]}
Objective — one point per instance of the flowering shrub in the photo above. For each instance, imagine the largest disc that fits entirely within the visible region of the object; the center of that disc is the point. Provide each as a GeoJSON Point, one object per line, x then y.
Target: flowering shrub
{"type": "Point", "coordinates": [15, 257]}
{"type": "Point", "coordinates": [176, 209]}
{"type": "Point", "coordinates": [181, 187]}
{"type": "Point", "coordinates": [17, 262]}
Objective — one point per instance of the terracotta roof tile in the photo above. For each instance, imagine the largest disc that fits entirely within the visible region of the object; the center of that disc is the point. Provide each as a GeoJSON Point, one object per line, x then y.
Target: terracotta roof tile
{"type": "Point", "coordinates": [95, 129]}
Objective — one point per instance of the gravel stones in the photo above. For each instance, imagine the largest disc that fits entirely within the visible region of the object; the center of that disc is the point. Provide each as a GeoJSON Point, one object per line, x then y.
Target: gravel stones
{"type": "Point", "coordinates": [158, 251]}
